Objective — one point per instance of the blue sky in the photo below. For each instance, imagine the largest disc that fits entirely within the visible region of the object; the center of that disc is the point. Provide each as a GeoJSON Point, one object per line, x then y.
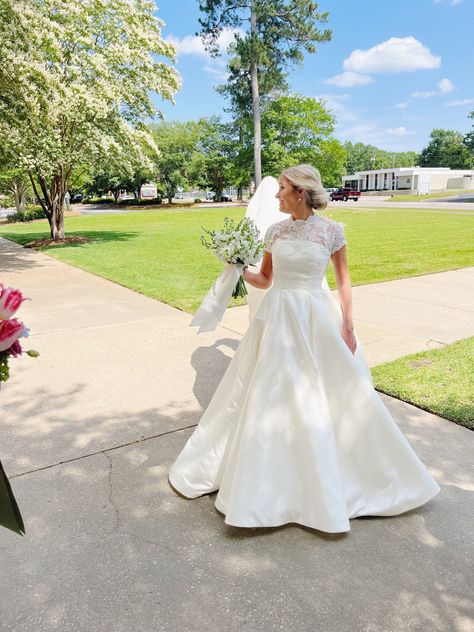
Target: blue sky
{"type": "Point", "coordinates": [392, 72]}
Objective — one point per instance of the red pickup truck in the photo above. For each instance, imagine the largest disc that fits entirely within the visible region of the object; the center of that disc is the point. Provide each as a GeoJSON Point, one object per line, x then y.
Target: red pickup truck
{"type": "Point", "coordinates": [344, 195]}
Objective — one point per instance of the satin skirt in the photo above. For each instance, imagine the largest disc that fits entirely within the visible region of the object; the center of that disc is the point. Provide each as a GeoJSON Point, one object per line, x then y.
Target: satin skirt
{"type": "Point", "coordinates": [295, 432]}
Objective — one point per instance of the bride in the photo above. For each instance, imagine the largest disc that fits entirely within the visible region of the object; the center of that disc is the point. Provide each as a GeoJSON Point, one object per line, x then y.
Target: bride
{"type": "Point", "coordinates": [295, 432]}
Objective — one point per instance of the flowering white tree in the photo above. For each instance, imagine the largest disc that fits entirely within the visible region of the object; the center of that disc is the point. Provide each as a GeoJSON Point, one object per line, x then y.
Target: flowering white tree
{"type": "Point", "coordinates": [75, 83]}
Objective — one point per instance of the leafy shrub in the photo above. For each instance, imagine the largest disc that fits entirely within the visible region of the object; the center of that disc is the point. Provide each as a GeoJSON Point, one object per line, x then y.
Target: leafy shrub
{"type": "Point", "coordinates": [31, 213]}
{"type": "Point", "coordinates": [151, 202]}
{"type": "Point", "coordinates": [92, 200]}
{"type": "Point", "coordinates": [7, 200]}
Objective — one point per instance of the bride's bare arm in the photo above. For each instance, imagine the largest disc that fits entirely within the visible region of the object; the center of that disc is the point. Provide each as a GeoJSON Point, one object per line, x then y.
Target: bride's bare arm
{"type": "Point", "coordinates": [262, 279]}
{"type": "Point", "coordinates": [343, 283]}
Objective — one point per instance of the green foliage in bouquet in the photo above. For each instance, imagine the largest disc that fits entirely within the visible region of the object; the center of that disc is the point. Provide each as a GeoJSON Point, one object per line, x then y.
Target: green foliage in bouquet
{"type": "Point", "coordinates": [237, 243]}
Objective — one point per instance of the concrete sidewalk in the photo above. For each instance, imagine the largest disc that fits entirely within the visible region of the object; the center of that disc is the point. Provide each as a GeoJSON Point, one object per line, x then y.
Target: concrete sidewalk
{"type": "Point", "coordinates": [396, 318]}
{"type": "Point", "coordinates": [90, 428]}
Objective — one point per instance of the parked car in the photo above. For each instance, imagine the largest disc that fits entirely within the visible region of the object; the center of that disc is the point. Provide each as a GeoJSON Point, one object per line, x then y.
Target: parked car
{"type": "Point", "coordinates": [179, 196]}
{"type": "Point", "coordinates": [77, 198]}
{"type": "Point", "coordinates": [213, 197]}
{"type": "Point", "coordinates": [344, 195]}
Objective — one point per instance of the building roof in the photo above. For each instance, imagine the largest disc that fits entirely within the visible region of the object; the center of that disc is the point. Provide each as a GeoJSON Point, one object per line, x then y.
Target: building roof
{"type": "Point", "coordinates": [411, 170]}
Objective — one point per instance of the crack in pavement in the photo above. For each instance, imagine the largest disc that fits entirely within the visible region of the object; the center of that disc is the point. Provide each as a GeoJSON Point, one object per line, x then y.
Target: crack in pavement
{"type": "Point", "coordinates": [111, 492]}
{"type": "Point", "coordinates": [117, 447]}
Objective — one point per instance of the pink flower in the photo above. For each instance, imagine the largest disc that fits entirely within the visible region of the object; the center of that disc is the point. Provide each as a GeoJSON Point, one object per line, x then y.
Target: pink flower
{"type": "Point", "coordinates": [10, 331]}
{"type": "Point", "coordinates": [15, 350]}
{"type": "Point", "coordinates": [10, 301]}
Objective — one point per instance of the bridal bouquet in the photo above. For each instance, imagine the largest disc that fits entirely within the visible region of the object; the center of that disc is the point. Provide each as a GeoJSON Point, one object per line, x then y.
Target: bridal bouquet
{"type": "Point", "coordinates": [237, 245]}
{"type": "Point", "coordinates": [11, 329]}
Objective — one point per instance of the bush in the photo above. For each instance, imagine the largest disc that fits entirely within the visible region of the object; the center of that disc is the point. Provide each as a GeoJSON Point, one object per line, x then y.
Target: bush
{"type": "Point", "coordinates": [31, 213]}
{"type": "Point", "coordinates": [7, 200]}
{"type": "Point", "coordinates": [197, 201]}
{"type": "Point", "coordinates": [150, 202]}
{"type": "Point", "coordinates": [110, 200]}
{"type": "Point", "coordinates": [92, 200]}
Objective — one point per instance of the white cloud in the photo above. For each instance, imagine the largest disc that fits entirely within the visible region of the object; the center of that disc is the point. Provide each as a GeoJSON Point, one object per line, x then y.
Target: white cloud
{"type": "Point", "coordinates": [193, 45]}
{"type": "Point", "coordinates": [445, 86]}
{"type": "Point", "coordinates": [421, 94]}
{"type": "Point", "coordinates": [355, 124]}
{"type": "Point", "coordinates": [453, 3]}
{"type": "Point", "coordinates": [398, 131]}
{"type": "Point", "coordinates": [337, 103]}
{"type": "Point", "coordinates": [217, 71]}
{"type": "Point", "coordinates": [397, 54]}
{"type": "Point", "coordinates": [459, 102]}
{"type": "Point", "coordinates": [349, 80]}
{"type": "Point", "coordinates": [189, 45]}
{"type": "Point", "coordinates": [401, 106]}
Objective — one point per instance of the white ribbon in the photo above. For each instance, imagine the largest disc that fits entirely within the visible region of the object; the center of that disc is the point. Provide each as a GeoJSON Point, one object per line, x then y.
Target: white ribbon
{"type": "Point", "coordinates": [212, 309]}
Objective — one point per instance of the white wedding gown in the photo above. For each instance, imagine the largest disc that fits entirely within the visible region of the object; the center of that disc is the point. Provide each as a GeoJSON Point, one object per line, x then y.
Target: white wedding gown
{"type": "Point", "coordinates": [295, 432]}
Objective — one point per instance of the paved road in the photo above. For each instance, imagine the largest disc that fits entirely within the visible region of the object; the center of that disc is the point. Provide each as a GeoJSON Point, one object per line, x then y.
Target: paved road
{"type": "Point", "coordinates": [90, 429]}
{"type": "Point", "coordinates": [367, 202]}
{"type": "Point", "coordinates": [465, 203]}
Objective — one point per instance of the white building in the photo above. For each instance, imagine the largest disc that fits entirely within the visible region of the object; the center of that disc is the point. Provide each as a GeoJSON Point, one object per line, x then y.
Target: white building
{"type": "Point", "coordinates": [409, 180]}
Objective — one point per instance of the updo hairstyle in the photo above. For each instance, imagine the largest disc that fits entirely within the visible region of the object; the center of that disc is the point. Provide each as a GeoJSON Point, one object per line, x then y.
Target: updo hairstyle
{"type": "Point", "coordinates": [308, 179]}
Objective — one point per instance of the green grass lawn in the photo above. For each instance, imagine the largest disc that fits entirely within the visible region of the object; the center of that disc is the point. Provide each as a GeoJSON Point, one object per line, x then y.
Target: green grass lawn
{"type": "Point", "coordinates": [159, 253]}
{"type": "Point", "coordinates": [440, 381]}
{"type": "Point", "coordinates": [429, 196]}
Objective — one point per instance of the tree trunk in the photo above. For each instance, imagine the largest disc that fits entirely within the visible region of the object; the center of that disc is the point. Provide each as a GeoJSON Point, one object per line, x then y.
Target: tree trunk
{"type": "Point", "coordinates": [19, 192]}
{"type": "Point", "coordinates": [257, 132]}
{"type": "Point", "coordinates": [56, 199]}
{"type": "Point", "coordinates": [18, 198]}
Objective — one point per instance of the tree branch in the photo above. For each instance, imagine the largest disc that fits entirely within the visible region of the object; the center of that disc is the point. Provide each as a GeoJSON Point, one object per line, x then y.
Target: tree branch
{"type": "Point", "coordinates": [38, 197]}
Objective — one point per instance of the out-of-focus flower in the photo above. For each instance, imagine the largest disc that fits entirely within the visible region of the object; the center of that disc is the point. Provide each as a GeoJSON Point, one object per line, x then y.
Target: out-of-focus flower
{"type": "Point", "coordinates": [10, 331]}
{"type": "Point", "coordinates": [15, 350]}
{"type": "Point", "coordinates": [10, 301]}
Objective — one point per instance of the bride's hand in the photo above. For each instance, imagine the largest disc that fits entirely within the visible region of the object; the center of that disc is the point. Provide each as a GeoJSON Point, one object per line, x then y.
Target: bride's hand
{"type": "Point", "coordinates": [349, 338]}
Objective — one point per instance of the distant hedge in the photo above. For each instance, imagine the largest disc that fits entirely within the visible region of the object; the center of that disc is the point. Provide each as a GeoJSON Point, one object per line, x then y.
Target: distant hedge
{"type": "Point", "coordinates": [31, 213]}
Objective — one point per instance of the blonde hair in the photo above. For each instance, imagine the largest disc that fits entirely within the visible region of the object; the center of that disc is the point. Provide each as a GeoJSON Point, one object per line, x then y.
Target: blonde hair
{"type": "Point", "coordinates": [308, 179]}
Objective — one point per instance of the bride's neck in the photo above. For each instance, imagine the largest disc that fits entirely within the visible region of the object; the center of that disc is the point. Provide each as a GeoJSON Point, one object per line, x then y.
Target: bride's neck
{"type": "Point", "coordinates": [303, 213]}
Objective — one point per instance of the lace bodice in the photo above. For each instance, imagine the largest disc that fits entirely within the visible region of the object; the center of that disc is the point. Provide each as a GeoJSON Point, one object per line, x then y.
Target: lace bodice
{"type": "Point", "coordinates": [316, 229]}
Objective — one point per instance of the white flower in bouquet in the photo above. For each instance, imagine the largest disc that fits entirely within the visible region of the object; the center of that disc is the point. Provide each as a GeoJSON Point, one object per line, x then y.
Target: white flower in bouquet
{"type": "Point", "coordinates": [239, 244]}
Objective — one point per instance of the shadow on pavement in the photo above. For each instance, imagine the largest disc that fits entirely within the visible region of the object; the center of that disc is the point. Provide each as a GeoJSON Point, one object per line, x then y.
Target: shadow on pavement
{"type": "Point", "coordinates": [108, 531]}
{"type": "Point", "coordinates": [210, 364]}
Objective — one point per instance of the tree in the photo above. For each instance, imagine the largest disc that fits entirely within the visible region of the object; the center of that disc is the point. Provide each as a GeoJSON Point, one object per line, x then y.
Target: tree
{"type": "Point", "coordinates": [469, 138]}
{"type": "Point", "coordinates": [446, 149]}
{"type": "Point", "coordinates": [215, 145]}
{"type": "Point", "coordinates": [14, 181]}
{"type": "Point", "coordinates": [238, 90]}
{"type": "Point", "coordinates": [178, 159]}
{"type": "Point", "coordinates": [278, 31]}
{"type": "Point", "coordinates": [75, 84]}
{"type": "Point", "coordinates": [299, 129]}
{"type": "Point", "coordinates": [362, 157]}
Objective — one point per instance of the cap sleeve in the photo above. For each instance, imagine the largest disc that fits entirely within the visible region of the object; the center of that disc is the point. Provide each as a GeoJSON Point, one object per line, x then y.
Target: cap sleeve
{"type": "Point", "coordinates": [338, 238]}
{"type": "Point", "coordinates": [268, 239]}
